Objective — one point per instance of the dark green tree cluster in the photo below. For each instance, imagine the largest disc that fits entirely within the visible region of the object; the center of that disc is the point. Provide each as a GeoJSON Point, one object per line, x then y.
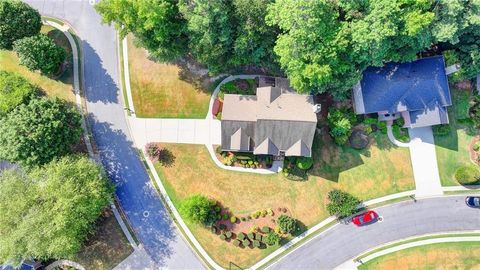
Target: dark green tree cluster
{"type": "Point", "coordinates": [220, 34]}
{"type": "Point", "coordinates": [199, 209]}
{"type": "Point", "coordinates": [18, 20]}
{"type": "Point", "coordinates": [14, 90]}
{"type": "Point", "coordinates": [49, 212]}
{"type": "Point", "coordinates": [36, 133]}
{"type": "Point", "coordinates": [39, 52]}
{"type": "Point", "coordinates": [342, 204]}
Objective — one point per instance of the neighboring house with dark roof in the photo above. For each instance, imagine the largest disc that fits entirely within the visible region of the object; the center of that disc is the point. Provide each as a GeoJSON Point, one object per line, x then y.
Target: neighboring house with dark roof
{"type": "Point", "coordinates": [275, 121]}
{"type": "Point", "coordinates": [417, 91]}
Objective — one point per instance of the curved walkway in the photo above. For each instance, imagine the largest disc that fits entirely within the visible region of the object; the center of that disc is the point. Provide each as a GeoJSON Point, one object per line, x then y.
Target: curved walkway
{"type": "Point", "coordinates": [138, 198]}
{"type": "Point", "coordinates": [75, 265]}
{"type": "Point", "coordinates": [392, 137]}
{"type": "Point", "coordinates": [345, 241]}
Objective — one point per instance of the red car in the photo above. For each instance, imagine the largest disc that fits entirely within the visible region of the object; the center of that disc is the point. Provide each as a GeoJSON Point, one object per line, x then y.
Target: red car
{"type": "Point", "coordinates": [365, 218]}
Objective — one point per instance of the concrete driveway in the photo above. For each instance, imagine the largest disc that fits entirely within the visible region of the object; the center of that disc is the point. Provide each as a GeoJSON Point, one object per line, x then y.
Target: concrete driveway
{"type": "Point", "coordinates": [401, 220]}
{"type": "Point", "coordinates": [138, 198]}
{"type": "Point", "coordinates": [424, 162]}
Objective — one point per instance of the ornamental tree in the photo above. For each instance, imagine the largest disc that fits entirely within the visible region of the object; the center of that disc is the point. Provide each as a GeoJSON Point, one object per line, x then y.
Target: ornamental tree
{"type": "Point", "coordinates": [199, 209]}
{"type": "Point", "coordinates": [49, 212]}
{"type": "Point", "coordinates": [36, 133]}
{"type": "Point", "coordinates": [18, 20]}
{"type": "Point", "coordinates": [287, 224]}
{"type": "Point", "coordinates": [342, 204]}
{"type": "Point", "coordinates": [39, 52]}
{"type": "Point", "coordinates": [14, 90]}
{"type": "Point", "coordinates": [272, 239]}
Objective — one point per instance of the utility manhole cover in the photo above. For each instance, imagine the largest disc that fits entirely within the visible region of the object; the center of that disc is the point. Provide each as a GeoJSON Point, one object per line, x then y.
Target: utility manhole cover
{"type": "Point", "coordinates": [146, 213]}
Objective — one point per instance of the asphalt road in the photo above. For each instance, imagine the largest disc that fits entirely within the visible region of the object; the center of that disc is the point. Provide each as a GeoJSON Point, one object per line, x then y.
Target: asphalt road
{"type": "Point", "coordinates": [401, 220]}
{"type": "Point", "coordinates": [138, 198]}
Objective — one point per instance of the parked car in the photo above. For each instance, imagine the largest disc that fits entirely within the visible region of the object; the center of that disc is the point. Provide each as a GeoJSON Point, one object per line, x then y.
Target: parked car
{"type": "Point", "coordinates": [365, 218]}
{"type": "Point", "coordinates": [473, 201]}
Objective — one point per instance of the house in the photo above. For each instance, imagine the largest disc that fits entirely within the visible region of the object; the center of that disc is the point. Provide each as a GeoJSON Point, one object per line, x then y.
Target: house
{"type": "Point", "coordinates": [417, 91]}
{"type": "Point", "coordinates": [276, 121]}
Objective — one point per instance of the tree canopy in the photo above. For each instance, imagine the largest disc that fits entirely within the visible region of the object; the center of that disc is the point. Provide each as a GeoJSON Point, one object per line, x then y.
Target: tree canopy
{"type": "Point", "coordinates": [35, 133]}
{"type": "Point", "coordinates": [18, 20]}
{"type": "Point", "coordinates": [342, 204]}
{"type": "Point", "coordinates": [49, 212]}
{"type": "Point", "coordinates": [199, 209]}
{"type": "Point", "coordinates": [14, 90]}
{"type": "Point", "coordinates": [39, 52]}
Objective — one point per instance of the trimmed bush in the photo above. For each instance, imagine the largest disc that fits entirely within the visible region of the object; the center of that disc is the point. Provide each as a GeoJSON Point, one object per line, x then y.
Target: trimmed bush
{"type": "Point", "coordinates": [270, 211]}
{"type": "Point", "coordinates": [233, 219]}
{"type": "Point", "coordinates": [476, 146]}
{"type": "Point", "coordinates": [223, 236]}
{"type": "Point", "coordinates": [342, 204]}
{"type": "Point", "coordinates": [272, 239]}
{"type": "Point", "coordinates": [251, 235]}
{"type": "Point", "coordinates": [246, 243]}
{"type": "Point", "coordinates": [226, 216]}
{"type": "Point", "coordinates": [287, 224]}
{"type": "Point", "coordinates": [14, 90]}
{"type": "Point", "coordinates": [467, 175]}
{"type": "Point", "coordinates": [241, 236]}
{"type": "Point", "coordinates": [256, 243]}
{"type": "Point", "coordinates": [265, 229]}
{"type": "Point", "coordinates": [243, 219]}
{"type": "Point", "coordinates": [223, 227]}
{"type": "Point", "coordinates": [228, 234]}
{"type": "Point", "coordinates": [199, 209]}
{"type": "Point", "coordinates": [304, 163]}
{"type": "Point", "coordinates": [237, 242]}
{"type": "Point", "coordinates": [214, 229]}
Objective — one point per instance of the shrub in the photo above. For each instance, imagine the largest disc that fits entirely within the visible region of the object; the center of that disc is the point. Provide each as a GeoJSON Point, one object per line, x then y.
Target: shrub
{"type": "Point", "coordinates": [467, 175]}
{"type": "Point", "coordinates": [342, 204]}
{"type": "Point", "coordinates": [251, 235]}
{"type": "Point", "coordinates": [223, 237]}
{"type": "Point", "coordinates": [254, 228]}
{"type": "Point", "coordinates": [19, 20]}
{"type": "Point", "coordinates": [166, 157]}
{"type": "Point", "coordinates": [441, 130]}
{"type": "Point", "coordinates": [340, 122]}
{"type": "Point", "coordinates": [243, 219]}
{"type": "Point", "coordinates": [270, 211]}
{"type": "Point", "coordinates": [246, 242]}
{"type": "Point", "coordinates": [241, 236]}
{"type": "Point", "coordinates": [222, 227]}
{"type": "Point", "coordinates": [304, 163]}
{"type": "Point", "coordinates": [476, 146]}
{"type": "Point", "coordinates": [199, 209]}
{"type": "Point", "coordinates": [237, 242]}
{"type": "Point", "coordinates": [14, 90]}
{"type": "Point", "coordinates": [153, 151]}
{"type": "Point", "coordinates": [214, 229]}
{"type": "Point", "coordinates": [382, 126]}
{"type": "Point", "coordinates": [225, 216]}
{"type": "Point", "coordinates": [218, 209]}
{"type": "Point", "coordinates": [265, 229]}
{"type": "Point", "coordinates": [36, 133]}
{"type": "Point", "coordinates": [256, 243]}
{"type": "Point", "coordinates": [272, 239]}
{"type": "Point", "coordinates": [233, 219]}
{"type": "Point", "coordinates": [228, 234]}
{"type": "Point", "coordinates": [39, 52]}
{"type": "Point", "coordinates": [264, 213]}
{"type": "Point", "coordinates": [287, 224]}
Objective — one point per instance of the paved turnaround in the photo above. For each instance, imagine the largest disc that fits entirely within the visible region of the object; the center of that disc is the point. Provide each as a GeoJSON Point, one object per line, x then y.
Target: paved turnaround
{"type": "Point", "coordinates": [406, 219]}
{"type": "Point", "coordinates": [138, 198]}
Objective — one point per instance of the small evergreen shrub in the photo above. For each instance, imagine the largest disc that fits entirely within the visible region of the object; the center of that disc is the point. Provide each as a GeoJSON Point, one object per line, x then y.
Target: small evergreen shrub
{"type": "Point", "coordinates": [237, 242]}
{"type": "Point", "coordinates": [272, 239]}
{"type": "Point", "coordinates": [233, 219]}
{"type": "Point", "coordinates": [228, 234]}
{"type": "Point", "coordinates": [223, 227]}
{"type": "Point", "coordinates": [223, 237]}
{"type": "Point", "coordinates": [467, 175]}
{"type": "Point", "coordinates": [246, 243]}
{"type": "Point", "coordinates": [256, 243]}
{"type": "Point", "coordinates": [265, 229]}
{"type": "Point", "coordinates": [304, 163]}
{"type": "Point", "coordinates": [241, 236]}
{"type": "Point", "coordinates": [287, 224]}
{"type": "Point", "coordinates": [251, 235]}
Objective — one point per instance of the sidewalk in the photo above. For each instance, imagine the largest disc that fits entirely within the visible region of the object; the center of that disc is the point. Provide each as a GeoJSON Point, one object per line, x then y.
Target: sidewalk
{"type": "Point", "coordinates": [424, 162]}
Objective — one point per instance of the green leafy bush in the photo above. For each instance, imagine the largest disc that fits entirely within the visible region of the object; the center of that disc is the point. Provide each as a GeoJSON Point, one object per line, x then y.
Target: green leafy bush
{"type": "Point", "coordinates": [251, 235]}
{"type": "Point", "coordinates": [241, 236]}
{"type": "Point", "coordinates": [341, 121]}
{"type": "Point", "coordinates": [39, 52]}
{"type": "Point", "coordinates": [272, 239]}
{"type": "Point", "coordinates": [14, 90]}
{"type": "Point", "coordinates": [246, 242]}
{"type": "Point", "coordinates": [222, 227]}
{"type": "Point", "coordinates": [256, 243]}
{"type": "Point", "coordinates": [36, 133]}
{"type": "Point", "coordinates": [468, 175]}
{"type": "Point", "coordinates": [214, 229]}
{"type": "Point", "coordinates": [441, 130]}
{"type": "Point", "coordinates": [233, 219]}
{"type": "Point", "coordinates": [19, 20]}
{"type": "Point", "coordinates": [228, 234]}
{"type": "Point", "coordinates": [237, 242]}
{"type": "Point", "coordinates": [341, 204]}
{"type": "Point", "coordinates": [225, 216]}
{"type": "Point", "coordinates": [304, 163]}
{"type": "Point", "coordinates": [287, 224]}
{"type": "Point", "coordinates": [153, 151]}
{"type": "Point", "coordinates": [223, 236]}
{"type": "Point", "coordinates": [476, 146]}
{"type": "Point", "coordinates": [265, 229]}
{"type": "Point", "coordinates": [199, 209]}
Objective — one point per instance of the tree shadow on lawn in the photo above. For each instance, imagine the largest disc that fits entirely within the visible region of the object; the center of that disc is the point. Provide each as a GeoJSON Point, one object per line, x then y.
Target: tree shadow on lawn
{"type": "Point", "coordinates": [136, 194]}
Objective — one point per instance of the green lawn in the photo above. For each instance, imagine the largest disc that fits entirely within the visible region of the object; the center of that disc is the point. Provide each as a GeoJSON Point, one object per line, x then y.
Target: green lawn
{"type": "Point", "coordinates": [159, 91]}
{"type": "Point", "coordinates": [461, 255]}
{"type": "Point", "coordinates": [368, 174]}
{"type": "Point", "coordinates": [453, 149]}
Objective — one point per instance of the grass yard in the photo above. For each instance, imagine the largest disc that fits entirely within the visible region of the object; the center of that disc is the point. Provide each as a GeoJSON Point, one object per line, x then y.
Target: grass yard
{"type": "Point", "coordinates": [461, 255]}
{"type": "Point", "coordinates": [62, 87]}
{"type": "Point", "coordinates": [368, 174]}
{"type": "Point", "coordinates": [453, 149]}
{"type": "Point", "coordinates": [158, 91]}
{"type": "Point", "coordinates": [107, 247]}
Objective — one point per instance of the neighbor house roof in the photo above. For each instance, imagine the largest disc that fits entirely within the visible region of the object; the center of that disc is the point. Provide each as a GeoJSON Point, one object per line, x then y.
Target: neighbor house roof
{"type": "Point", "coordinates": [273, 120]}
{"type": "Point", "coordinates": [398, 87]}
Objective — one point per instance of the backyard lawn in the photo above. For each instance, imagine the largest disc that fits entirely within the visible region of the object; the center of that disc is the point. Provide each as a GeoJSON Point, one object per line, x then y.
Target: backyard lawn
{"type": "Point", "coordinates": [461, 255]}
{"type": "Point", "coordinates": [371, 173]}
{"type": "Point", "coordinates": [61, 88]}
{"type": "Point", "coordinates": [453, 149]}
{"type": "Point", "coordinates": [158, 91]}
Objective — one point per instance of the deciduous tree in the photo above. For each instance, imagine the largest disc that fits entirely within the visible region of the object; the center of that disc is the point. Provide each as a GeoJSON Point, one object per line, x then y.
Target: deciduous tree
{"type": "Point", "coordinates": [199, 209]}
{"type": "Point", "coordinates": [18, 20]}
